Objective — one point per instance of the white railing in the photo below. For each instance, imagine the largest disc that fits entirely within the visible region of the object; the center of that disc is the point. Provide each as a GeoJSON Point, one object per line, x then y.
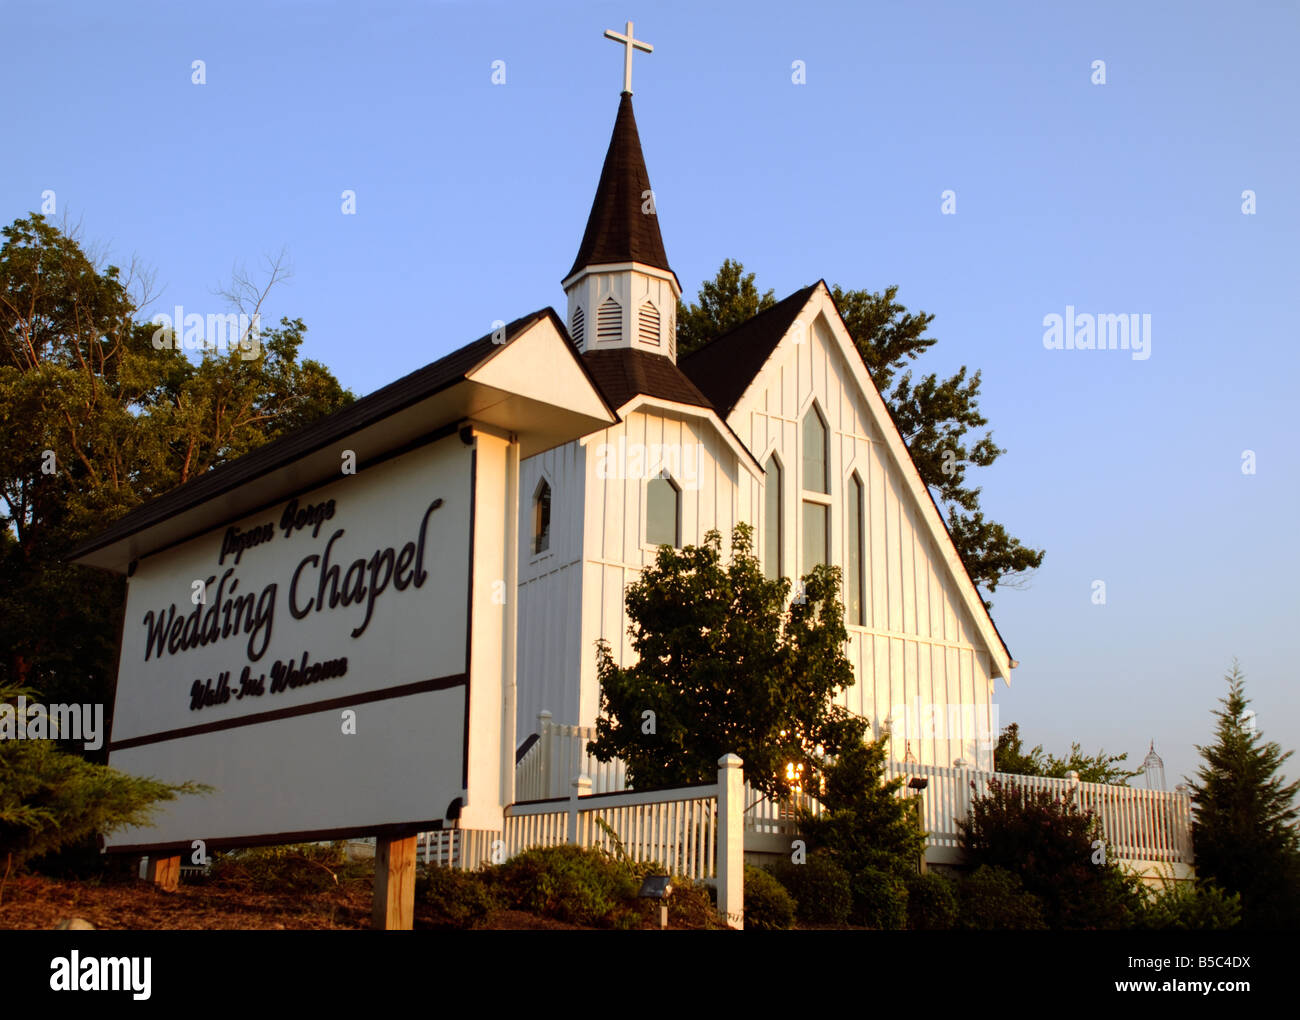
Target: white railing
{"type": "Point", "coordinates": [695, 831]}
{"type": "Point", "coordinates": [558, 755]}
{"type": "Point", "coordinates": [1138, 825]}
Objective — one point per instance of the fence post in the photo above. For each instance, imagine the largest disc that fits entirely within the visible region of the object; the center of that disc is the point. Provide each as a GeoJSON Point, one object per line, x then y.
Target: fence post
{"type": "Point", "coordinates": [731, 840]}
{"type": "Point", "coordinates": [544, 754]}
{"type": "Point", "coordinates": [581, 787]}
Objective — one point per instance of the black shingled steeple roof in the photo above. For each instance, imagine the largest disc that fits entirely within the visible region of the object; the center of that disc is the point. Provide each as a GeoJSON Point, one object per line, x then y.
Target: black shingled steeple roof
{"type": "Point", "coordinates": [617, 229]}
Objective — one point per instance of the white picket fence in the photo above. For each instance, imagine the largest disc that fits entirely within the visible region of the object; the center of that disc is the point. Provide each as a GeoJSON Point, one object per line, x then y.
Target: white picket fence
{"type": "Point", "coordinates": [1137, 824]}
{"type": "Point", "coordinates": [694, 832]}
{"type": "Point", "coordinates": [558, 755]}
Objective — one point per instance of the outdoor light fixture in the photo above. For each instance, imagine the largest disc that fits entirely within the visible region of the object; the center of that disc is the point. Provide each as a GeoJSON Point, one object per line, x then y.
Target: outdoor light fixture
{"type": "Point", "coordinates": [658, 887]}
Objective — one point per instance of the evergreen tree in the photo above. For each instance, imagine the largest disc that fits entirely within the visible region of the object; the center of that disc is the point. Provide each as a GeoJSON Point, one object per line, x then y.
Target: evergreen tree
{"type": "Point", "coordinates": [1245, 828]}
{"type": "Point", "coordinates": [934, 416]}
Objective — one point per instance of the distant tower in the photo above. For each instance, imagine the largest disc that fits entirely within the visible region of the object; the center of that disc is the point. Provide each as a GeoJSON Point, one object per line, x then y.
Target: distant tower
{"type": "Point", "coordinates": [1154, 769]}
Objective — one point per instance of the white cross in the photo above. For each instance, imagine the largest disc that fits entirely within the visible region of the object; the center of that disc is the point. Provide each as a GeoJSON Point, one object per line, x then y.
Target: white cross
{"type": "Point", "coordinates": [629, 44]}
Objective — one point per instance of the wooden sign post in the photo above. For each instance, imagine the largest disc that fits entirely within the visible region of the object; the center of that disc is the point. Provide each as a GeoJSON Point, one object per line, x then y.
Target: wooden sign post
{"type": "Point", "coordinates": [394, 884]}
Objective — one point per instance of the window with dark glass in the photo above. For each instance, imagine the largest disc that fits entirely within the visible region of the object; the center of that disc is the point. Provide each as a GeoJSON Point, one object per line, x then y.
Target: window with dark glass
{"type": "Point", "coordinates": [816, 534]}
{"type": "Point", "coordinates": [663, 512]}
{"type": "Point", "coordinates": [816, 441]}
{"type": "Point", "coordinates": [854, 582]}
{"type": "Point", "coordinates": [542, 518]}
{"type": "Point", "coordinates": [772, 518]}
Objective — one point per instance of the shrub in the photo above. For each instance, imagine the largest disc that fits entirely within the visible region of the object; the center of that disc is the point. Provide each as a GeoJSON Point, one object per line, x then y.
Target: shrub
{"type": "Point", "coordinates": [455, 898]}
{"type": "Point", "coordinates": [879, 899]}
{"type": "Point", "coordinates": [819, 887]}
{"type": "Point", "coordinates": [767, 904]}
{"type": "Point", "coordinates": [993, 899]}
{"type": "Point", "coordinates": [51, 800]}
{"type": "Point", "coordinates": [295, 868]}
{"type": "Point", "coordinates": [567, 883]}
{"type": "Point", "coordinates": [1051, 844]}
{"type": "Point", "coordinates": [931, 902]}
{"type": "Point", "coordinates": [865, 823]}
{"type": "Point", "coordinates": [1198, 905]}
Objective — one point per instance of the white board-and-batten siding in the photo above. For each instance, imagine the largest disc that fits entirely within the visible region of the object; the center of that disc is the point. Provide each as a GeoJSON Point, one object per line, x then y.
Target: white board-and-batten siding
{"type": "Point", "coordinates": [920, 645]}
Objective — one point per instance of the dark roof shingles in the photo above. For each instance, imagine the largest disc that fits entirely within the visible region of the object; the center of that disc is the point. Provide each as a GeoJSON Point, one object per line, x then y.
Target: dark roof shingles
{"type": "Point", "coordinates": [623, 373]}
{"type": "Point", "coordinates": [724, 367]}
{"type": "Point", "coordinates": [617, 229]}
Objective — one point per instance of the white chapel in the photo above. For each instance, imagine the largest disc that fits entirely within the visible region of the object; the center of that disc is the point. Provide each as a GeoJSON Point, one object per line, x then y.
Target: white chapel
{"type": "Point", "coordinates": [775, 423]}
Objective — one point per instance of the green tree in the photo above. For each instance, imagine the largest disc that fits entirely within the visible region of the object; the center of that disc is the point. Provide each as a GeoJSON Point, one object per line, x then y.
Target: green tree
{"type": "Point", "coordinates": [96, 419]}
{"type": "Point", "coordinates": [1009, 756]}
{"type": "Point", "coordinates": [865, 825]}
{"type": "Point", "coordinates": [726, 301]}
{"type": "Point", "coordinates": [722, 669]}
{"type": "Point", "coordinates": [1244, 828]}
{"type": "Point", "coordinates": [50, 799]}
{"type": "Point", "coordinates": [939, 419]}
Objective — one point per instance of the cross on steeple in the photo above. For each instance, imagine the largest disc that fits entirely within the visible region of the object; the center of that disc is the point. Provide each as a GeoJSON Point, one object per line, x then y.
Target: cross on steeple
{"type": "Point", "coordinates": [629, 44]}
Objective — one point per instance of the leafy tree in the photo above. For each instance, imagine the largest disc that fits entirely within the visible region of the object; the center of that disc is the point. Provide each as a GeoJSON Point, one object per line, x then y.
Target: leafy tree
{"type": "Point", "coordinates": [96, 419]}
{"type": "Point", "coordinates": [50, 799]}
{"type": "Point", "coordinates": [1244, 829]}
{"type": "Point", "coordinates": [725, 302]}
{"type": "Point", "coordinates": [933, 415]}
{"type": "Point", "coordinates": [1009, 756]}
{"type": "Point", "coordinates": [723, 669]}
{"type": "Point", "coordinates": [1048, 843]}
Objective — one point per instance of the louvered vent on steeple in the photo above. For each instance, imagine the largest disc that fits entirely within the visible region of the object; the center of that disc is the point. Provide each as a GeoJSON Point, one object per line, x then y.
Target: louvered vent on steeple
{"type": "Point", "coordinates": [609, 320]}
{"type": "Point", "coordinates": [578, 327]}
{"type": "Point", "coordinates": [648, 324]}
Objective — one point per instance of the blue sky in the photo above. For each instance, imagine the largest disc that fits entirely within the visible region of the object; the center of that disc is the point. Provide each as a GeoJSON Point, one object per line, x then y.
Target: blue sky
{"type": "Point", "coordinates": [471, 200]}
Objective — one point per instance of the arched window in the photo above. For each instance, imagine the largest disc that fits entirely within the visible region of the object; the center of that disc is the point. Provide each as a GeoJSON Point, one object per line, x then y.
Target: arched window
{"type": "Point", "coordinates": [648, 326]}
{"type": "Point", "coordinates": [816, 522]}
{"type": "Point", "coordinates": [609, 320]}
{"type": "Point", "coordinates": [578, 326]}
{"type": "Point", "coordinates": [854, 602]}
{"type": "Point", "coordinates": [772, 523]}
{"type": "Point", "coordinates": [663, 512]}
{"type": "Point", "coordinates": [816, 442]}
{"type": "Point", "coordinates": [542, 517]}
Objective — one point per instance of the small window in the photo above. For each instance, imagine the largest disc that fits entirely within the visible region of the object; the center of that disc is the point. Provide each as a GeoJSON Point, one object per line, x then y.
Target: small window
{"type": "Point", "coordinates": [816, 532]}
{"type": "Point", "coordinates": [663, 503]}
{"type": "Point", "coordinates": [648, 326]}
{"type": "Point", "coordinates": [542, 518]}
{"type": "Point", "coordinates": [609, 320]}
{"type": "Point", "coordinates": [579, 326]}
{"type": "Point", "coordinates": [815, 444]}
{"type": "Point", "coordinates": [854, 596]}
{"type": "Point", "coordinates": [772, 518]}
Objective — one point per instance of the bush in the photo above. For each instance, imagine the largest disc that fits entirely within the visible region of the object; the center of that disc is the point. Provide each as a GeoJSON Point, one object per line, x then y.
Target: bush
{"type": "Point", "coordinates": [51, 800]}
{"type": "Point", "coordinates": [455, 898]}
{"type": "Point", "coordinates": [993, 899]}
{"type": "Point", "coordinates": [1198, 905]}
{"type": "Point", "coordinates": [879, 899]}
{"type": "Point", "coordinates": [1054, 847]}
{"type": "Point", "coordinates": [767, 904]}
{"type": "Point", "coordinates": [819, 887]}
{"type": "Point", "coordinates": [567, 883]}
{"type": "Point", "coordinates": [931, 902]}
{"type": "Point", "coordinates": [295, 868]}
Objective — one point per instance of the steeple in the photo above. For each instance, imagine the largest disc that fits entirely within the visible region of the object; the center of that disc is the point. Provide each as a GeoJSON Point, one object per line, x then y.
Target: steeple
{"type": "Point", "coordinates": [621, 290]}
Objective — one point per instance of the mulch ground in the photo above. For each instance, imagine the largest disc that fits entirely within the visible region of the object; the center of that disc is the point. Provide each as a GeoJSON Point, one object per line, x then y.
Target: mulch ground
{"type": "Point", "coordinates": [37, 902]}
